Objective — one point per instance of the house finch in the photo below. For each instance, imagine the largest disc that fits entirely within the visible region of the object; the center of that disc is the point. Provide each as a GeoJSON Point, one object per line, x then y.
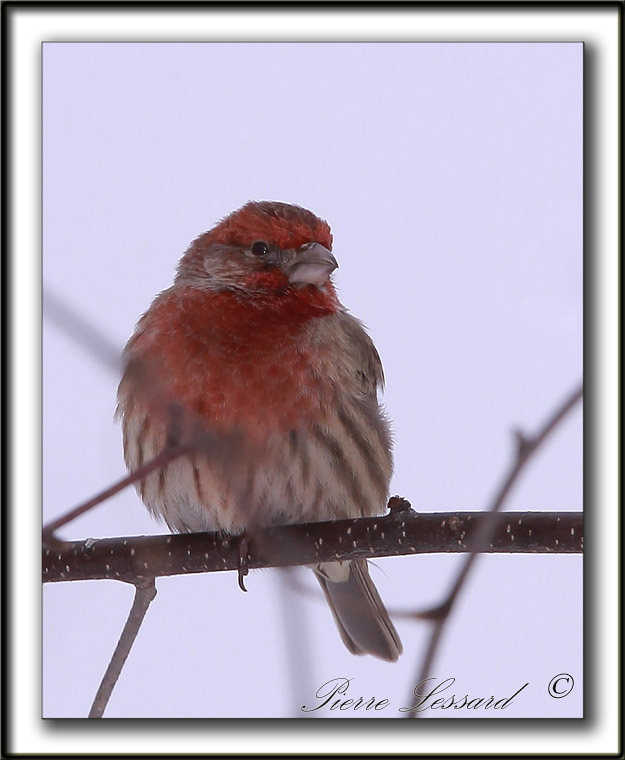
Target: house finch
{"type": "Point", "coordinates": [252, 347]}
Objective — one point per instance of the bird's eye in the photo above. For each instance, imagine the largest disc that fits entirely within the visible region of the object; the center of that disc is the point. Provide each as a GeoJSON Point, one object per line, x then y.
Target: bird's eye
{"type": "Point", "coordinates": [259, 248]}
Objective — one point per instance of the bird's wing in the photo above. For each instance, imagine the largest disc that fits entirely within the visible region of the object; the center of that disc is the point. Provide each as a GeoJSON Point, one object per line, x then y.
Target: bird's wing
{"type": "Point", "coordinates": [363, 354]}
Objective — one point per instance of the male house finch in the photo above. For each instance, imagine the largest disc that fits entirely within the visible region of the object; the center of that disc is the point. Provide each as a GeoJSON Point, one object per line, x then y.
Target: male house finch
{"type": "Point", "coordinates": [252, 346]}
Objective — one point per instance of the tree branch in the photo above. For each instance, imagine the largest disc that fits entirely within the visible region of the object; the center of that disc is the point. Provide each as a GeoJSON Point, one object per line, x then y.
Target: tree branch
{"type": "Point", "coordinates": [526, 447]}
{"type": "Point", "coordinates": [401, 532]}
{"type": "Point", "coordinates": [144, 594]}
{"type": "Point", "coordinates": [166, 456]}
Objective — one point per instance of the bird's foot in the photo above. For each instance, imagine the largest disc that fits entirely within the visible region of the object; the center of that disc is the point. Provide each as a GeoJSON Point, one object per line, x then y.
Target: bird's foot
{"type": "Point", "coordinates": [243, 569]}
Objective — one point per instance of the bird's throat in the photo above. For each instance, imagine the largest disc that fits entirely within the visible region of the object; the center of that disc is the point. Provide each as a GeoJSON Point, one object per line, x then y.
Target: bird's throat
{"type": "Point", "coordinates": [264, 316]}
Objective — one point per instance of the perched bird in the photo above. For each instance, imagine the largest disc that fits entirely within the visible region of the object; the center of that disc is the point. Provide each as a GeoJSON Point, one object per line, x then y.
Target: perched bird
{"type": "Point", "coordinates": [252, 346]}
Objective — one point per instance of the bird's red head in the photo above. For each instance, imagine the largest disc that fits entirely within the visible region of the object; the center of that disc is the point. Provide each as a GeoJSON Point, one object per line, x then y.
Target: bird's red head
{"type": "Point", "coordinates": [278, 224]}
{"type": "Point", "coordinates": [262, 247]}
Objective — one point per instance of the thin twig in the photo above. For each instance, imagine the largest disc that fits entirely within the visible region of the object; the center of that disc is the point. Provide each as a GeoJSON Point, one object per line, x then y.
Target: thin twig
{"type": "Point", "coordinates": [86, 335]}
{"type": "Point", "coordinates": [161, 460]}
{"type": "Point", "coordinates": [526, 448]}
{"type": "Point", "coordinates": [144, 594]}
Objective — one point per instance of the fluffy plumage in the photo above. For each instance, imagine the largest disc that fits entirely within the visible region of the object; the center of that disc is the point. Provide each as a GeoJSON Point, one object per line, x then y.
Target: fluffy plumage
{"type": "Point", "coordinates": [252, 347]}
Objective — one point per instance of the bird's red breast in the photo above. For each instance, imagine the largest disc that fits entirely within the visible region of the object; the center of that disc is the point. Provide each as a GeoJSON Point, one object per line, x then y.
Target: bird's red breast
{"type": "Point", "coordinates": [246, 362]}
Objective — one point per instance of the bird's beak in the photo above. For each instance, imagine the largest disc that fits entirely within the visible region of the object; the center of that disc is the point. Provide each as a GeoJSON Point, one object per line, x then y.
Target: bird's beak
{"type": "Point", "coordinates": [312, 265]}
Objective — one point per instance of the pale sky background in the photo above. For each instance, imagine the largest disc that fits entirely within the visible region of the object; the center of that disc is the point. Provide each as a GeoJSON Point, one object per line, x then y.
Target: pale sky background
{"type": "Point", "coordinates": [451, 175]}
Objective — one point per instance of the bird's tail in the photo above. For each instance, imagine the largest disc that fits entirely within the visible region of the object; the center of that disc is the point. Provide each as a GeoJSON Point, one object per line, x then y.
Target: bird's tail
{"type": "Point", "coordinates": [358, 611]}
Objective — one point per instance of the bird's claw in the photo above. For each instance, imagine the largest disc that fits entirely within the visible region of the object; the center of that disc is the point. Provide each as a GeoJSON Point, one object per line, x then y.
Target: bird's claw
{"type": "Point", "coordinates": [398, 504]}
{"type": "Point", "coordinates": [243, 569]}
